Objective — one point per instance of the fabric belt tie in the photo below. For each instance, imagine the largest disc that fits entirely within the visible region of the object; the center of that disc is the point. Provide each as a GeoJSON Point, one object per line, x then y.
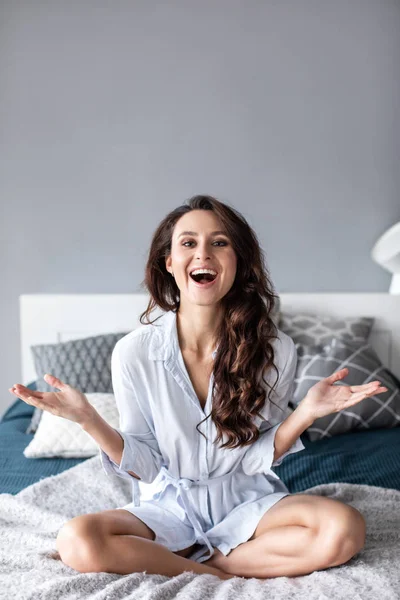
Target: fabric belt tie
{"type": "Point", "coordinates": [136, 491]}
{"type": "Point", "coordinates": [183, 486]}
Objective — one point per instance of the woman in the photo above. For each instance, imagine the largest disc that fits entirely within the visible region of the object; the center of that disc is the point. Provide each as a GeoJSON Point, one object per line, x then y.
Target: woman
{"type": "Point", "coordinates": [202, 394]}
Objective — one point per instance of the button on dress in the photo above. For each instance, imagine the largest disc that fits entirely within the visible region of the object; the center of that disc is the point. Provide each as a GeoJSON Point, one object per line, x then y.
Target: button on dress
{"type": "Point", "coordinates": [192, 491]}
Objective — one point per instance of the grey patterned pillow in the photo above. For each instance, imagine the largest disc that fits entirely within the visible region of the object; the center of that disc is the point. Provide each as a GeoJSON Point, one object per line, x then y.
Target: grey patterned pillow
{"type": "Point", "coordinates": [317, 362]}
{"type": "Point", "coordinates": [314, 329]}
{"type": "Point", "coordinates": [84, 363]}
{"type": "Point", "coordinates": [275, 313]}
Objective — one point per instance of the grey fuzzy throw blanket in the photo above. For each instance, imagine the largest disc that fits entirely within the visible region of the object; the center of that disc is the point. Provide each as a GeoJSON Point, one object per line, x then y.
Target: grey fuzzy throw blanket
{"type": "Point", "coordinates": [30, 567]}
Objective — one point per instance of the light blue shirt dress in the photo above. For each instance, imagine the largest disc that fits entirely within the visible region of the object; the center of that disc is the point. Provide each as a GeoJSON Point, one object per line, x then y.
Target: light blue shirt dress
{"type": "Point", "coordinates": [200, 493]}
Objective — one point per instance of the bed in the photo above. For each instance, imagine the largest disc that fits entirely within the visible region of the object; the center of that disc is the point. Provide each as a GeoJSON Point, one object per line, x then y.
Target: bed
{"type": "Point", "coordinates": [362, 458]}
{"type": "Point", "coordinates": [367, 457]}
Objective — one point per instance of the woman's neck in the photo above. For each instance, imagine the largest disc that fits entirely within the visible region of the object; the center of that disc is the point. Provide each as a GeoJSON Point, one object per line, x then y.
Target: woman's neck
{"type": "Point", "coordinates": [197, 332]}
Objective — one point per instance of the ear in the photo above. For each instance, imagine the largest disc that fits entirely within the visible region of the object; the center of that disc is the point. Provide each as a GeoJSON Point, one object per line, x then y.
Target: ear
{"type": "Point", "coordinates": [168, 263]}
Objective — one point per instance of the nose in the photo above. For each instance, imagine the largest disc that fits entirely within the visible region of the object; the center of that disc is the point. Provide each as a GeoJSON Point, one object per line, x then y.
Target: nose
{"type": "Point", "coordinates": [202, 251]}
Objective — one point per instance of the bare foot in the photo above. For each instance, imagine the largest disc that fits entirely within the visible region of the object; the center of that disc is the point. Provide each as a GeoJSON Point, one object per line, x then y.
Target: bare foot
{"type": "Point", "coordinates": [218, 560]}
{"type": "Point", "coordinates": [226, 576]}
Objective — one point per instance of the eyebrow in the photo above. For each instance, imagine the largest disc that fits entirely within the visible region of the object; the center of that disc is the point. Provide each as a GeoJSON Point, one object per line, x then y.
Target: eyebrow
{"type": "Point", "coordinates": [194, 233]}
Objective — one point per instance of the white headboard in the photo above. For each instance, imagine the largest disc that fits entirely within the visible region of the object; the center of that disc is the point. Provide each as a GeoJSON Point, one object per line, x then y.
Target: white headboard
{"type": "Point", "coordinates": [52, 318]}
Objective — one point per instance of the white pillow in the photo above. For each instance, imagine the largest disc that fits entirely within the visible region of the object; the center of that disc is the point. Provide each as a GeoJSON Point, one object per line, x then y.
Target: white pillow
{"type": "Point", "coordinates": [56, 436]}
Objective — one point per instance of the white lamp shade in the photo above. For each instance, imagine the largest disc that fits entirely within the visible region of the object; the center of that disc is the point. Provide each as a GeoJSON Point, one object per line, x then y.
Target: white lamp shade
{"type": "Point", "coordinates": [386, 253]}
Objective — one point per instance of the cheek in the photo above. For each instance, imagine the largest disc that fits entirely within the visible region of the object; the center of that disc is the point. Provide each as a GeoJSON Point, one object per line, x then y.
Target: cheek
{"type": "Point", "coordinates": [230, 272]}
{"type": "Point", "coordinates": [179, 257]}
{"type": "Point", "coordinates": [233, 264]}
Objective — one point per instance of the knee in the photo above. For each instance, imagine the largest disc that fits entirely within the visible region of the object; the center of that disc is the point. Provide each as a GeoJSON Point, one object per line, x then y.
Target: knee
{"type": "Point", "coordinates": [79, 544]}
{"type": "Point", "coordinates": [343, 537]}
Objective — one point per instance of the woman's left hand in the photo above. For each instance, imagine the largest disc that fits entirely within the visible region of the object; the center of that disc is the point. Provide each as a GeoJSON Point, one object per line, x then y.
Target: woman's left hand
{"type": "Point", "coordinates": [325, 398]}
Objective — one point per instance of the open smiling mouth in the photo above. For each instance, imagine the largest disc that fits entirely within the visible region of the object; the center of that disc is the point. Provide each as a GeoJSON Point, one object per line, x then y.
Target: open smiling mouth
{"type": "Point", "coordinates": [204, 279]}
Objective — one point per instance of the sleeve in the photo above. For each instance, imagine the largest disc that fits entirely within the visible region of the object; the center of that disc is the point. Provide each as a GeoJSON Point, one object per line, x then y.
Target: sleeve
{"type": "Point", "coordinates": [259, 457]}
{"type": "Point", "coordinates": [141, 453]}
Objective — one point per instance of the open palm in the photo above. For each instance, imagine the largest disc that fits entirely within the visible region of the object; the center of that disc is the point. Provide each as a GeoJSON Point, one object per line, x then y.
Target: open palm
{"type": "Point", "coordinates": [325, 398]}
{"type": "Point", "coordinates": [69, 402]}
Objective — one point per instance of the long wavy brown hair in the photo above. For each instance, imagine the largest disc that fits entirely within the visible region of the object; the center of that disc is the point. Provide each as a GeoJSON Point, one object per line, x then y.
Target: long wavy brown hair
{"type": "Point", "coordinates": [245, 352]}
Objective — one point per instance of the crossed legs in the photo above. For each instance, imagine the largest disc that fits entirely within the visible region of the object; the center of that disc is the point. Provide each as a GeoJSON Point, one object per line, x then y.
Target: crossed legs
{"type": "Point", "coordinates": [298, 535]}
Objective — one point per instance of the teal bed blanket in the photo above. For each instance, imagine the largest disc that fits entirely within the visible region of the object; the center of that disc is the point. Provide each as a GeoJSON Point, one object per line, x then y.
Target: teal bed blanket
{"type": "Point", "coordinates": [369, 457]}
{"type": "Point", "coordinates": [16, 471]}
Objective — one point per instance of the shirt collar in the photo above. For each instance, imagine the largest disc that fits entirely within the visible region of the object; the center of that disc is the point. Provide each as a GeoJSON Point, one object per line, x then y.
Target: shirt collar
{"type": "Point", "coordinates": [164, 341]}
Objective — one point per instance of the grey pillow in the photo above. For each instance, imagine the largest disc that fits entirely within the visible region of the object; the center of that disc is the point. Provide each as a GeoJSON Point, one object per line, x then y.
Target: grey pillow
{"type": "Point", "coordinates": [275, 313]}
{"type": "Point", "coordinates": [85, 364]}
{"type": "Point", "coordinates": [317, 362]}
{"type": "Point", "coordinates": [312, 329]}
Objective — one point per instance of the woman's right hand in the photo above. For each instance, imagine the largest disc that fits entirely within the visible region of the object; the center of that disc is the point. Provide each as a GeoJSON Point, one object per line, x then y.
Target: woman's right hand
{"type": "Point", "coordinates": [69, 402]}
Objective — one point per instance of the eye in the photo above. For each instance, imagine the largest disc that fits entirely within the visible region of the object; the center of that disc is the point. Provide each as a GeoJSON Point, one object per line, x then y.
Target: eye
{"type": "Point", "coordinates": [216, 242]}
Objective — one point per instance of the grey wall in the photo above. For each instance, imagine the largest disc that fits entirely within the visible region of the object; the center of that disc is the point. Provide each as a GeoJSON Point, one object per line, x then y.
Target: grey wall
{"type": "Point", "coordinates": [112, 114]}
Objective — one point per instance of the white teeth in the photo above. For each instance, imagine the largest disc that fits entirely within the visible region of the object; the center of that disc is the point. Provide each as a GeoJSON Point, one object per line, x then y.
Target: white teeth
{"type": "Point", "coordinates": [198, 271]}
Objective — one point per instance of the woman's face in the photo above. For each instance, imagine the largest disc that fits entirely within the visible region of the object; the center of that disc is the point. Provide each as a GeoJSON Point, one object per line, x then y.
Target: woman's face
{"type": "Point", "coordinates": [201, 248]}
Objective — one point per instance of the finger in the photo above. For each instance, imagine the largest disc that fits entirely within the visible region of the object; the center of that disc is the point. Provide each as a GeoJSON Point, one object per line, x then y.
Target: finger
{"type": "Point", "coordinates": [359, 396]}
{"type": "Point", "coordinates": [21, 392]}
{"type": "Point", "coordinates": [25, 398]}
{"type": "Point", "coordinates": [365, 387]}
{"type": "Point", "coordinates": [15, 389]}
{"type": "Point", "coordinates": [19, 389]}
{"type": "Point", "coordinates": [373, 391]}
{"type": "Point", "coordinates": [30, 397]}
{"type": "Point", "coordinates": [54, 381]}
{"type": "Point", "coordinates": [33, 400]}
{"type": "Point", "coordinates": [337, 375]}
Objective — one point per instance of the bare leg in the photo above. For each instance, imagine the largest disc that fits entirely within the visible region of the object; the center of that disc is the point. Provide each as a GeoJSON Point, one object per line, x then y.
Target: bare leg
{"type": "Point", "coordinates": [151, 557]}
{"type": "Point", "coordinates": [297, 536]}
{"type": "Point", "coordinates": [131, 554]}
{"type": "Point", "coordinates": [286, 551]}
